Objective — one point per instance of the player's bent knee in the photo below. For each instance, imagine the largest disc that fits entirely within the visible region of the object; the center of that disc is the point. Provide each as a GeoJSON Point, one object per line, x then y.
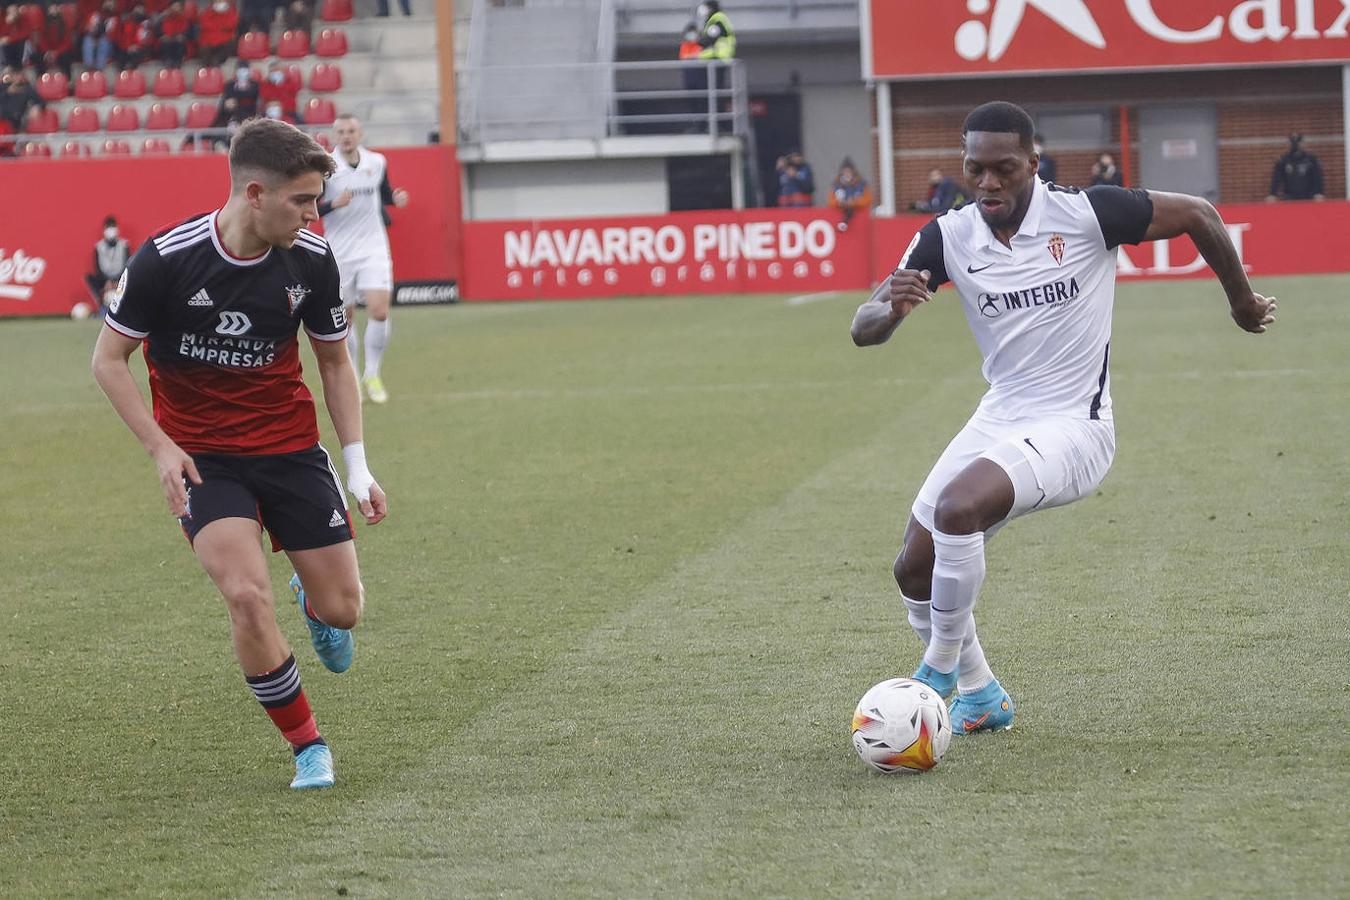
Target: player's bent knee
{"type": "Point", "coordinates": [343, 608]}
{"type": "Point", "coordinates": [958, 513]}
{"type": "Point", "coordinates": [913, 574]}
{"type": "Point", "coordinates": [249, 604]}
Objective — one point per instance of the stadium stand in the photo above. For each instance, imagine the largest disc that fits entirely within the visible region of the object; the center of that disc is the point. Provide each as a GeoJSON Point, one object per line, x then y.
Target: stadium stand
{"type": "Point", "coordinates": [91, 85]}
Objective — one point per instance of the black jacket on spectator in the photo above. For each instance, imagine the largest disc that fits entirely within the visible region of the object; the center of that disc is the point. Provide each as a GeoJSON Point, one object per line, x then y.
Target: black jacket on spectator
{"type": "Point", "coordinates": [1297, 176]}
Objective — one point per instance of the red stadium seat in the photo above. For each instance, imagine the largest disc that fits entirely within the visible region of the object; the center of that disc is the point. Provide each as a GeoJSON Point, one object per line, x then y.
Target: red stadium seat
{"type": "Point", "coordinates": [82, 119]}
{"type": "Point", "coordinates": [320, 111]}
{"type": "Point", "coordinates": [336, 11]}
{"type": "Point", "coordinates": [123, 118]}
{"type": "Point", "coordinates": [162, 117]}
{"type": "Point", "coordinates": [169, 83]}
{"type": "Point", "coordinates": [200, 115]}
{"type": "Point", "coordinates": [75, 148]}
{"type": "Point", "coordinates": [116, 147]}
{"type": "Point", "coordinates": [42, 121]}
{"type": "Point", "coordinates": [130, 84]}
{"type": "Point", "coordinates": [324, 140]}
{"type": "Point", "coordinates": [91, 85]}
{"type": "Point", "coordinates": [326, 77]}
{"type": "Point", "coordinates": [53, 86]}
{"type": "Point", "coordinates": [208, 82]}
{"type": "Point", "coordinates": [37, 148]}
{"type": "Point", "coordinates": [293, 45]}
{"type": "Point", "coordinates": [254, 45]}
{"type": "Point", "coordinates": [332, 42]}
{"type": "Point", "coordinates": [156, 145]}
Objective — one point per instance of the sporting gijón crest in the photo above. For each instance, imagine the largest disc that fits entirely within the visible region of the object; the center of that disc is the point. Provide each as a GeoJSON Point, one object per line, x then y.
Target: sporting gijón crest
{"type": "Point", "coordinates": [295, 295]}
{"type": "Point", "coordinates": [1056, 247]}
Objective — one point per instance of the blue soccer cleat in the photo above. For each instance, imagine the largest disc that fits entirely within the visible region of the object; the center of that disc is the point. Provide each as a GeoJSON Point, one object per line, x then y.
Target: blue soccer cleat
{"type": "Point", "coordinates": [334, 646]}
{"type": "Point", "coordinates": [313, 768]}
{"type": "Point", "coordinates": [988, 709]}
{"type": "Point", "coordinates": [942, 682]}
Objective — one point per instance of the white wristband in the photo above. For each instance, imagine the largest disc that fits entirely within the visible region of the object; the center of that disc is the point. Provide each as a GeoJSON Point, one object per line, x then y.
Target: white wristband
{"type": "Point", "coordinates": [359, 478]}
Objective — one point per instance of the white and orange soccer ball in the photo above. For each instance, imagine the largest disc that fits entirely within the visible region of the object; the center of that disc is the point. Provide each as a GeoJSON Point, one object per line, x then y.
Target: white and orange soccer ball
{"type": "Point", "coordinates": [901, 725]}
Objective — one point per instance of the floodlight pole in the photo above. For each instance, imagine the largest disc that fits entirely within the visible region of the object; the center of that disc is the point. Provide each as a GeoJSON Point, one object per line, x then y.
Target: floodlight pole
{"type": "Point", "coordinates": [445, 60]}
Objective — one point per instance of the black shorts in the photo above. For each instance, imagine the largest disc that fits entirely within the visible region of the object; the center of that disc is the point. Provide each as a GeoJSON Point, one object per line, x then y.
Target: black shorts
{"type": "Point", "coordinates": [297, 497]}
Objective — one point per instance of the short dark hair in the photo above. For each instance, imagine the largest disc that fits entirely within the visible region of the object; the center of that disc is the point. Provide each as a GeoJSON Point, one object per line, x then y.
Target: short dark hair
{"type": "Point", "coordinates": [275, 147]}
{"type": "Point", "coordinates": [1001, 116]}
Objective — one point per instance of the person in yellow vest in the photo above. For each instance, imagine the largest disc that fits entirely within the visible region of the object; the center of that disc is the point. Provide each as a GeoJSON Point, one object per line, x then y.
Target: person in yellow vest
{"type": "Point", "coordinates": [718, 38]}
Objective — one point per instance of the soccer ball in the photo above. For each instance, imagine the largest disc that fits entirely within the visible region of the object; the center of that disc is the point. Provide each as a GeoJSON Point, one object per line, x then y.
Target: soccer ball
{"type": "Point", "coordinates": [81, 311]}
{"type": "Point", "coordinates": [901, 725]}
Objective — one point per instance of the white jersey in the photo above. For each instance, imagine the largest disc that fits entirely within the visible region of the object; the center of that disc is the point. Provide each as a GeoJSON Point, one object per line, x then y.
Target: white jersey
{"type": "Point", "coordinates": [1041, 309]}
{"type": "Point", "coordinates": [356, 231]}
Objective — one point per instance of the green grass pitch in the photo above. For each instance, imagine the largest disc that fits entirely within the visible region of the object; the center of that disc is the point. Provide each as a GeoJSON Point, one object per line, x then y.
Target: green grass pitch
{"type": "Point", "coordinates": [635, 577]}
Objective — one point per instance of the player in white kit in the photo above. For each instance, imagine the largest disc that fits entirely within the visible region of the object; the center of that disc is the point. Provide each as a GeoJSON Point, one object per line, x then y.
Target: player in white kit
{"type": "Point", "coordinates": [353, 223]}
{"type": "Point", "coordinates": [1035, 267]}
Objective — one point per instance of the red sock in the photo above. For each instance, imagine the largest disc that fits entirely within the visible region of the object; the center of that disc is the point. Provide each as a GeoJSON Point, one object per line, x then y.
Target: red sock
{"type": "Point", "coordinates": [280, 694]}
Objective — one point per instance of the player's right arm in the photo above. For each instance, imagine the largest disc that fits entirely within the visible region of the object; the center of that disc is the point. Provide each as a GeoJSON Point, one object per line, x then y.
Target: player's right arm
{"type": "Point", "coordinates": [131, 315]}
{"type": "Point", "coordinates": [919, 273]}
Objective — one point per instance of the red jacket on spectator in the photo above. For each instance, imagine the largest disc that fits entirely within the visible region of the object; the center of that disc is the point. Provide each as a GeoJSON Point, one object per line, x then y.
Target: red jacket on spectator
{"type": "Point", "coordinates": [84, 11]}
{"type": "Point", "coordinates": [128, 34]}
{"type": "Point", "coordinates": [287, 92]}
{"type": "Point", "coordinates": [216, 27]}
{"type": "Point", "coordinates": [56, 37]}
{"type": "Point", "coordinates": [14, 26]}
{"type": "Point", "coordinates": [173, 24]}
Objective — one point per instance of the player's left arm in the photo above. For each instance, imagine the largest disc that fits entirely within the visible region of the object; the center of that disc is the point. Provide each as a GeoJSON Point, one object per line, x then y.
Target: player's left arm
{"type": "Point", "coordinates": [342, 396]}
{"type": "Point", "coordinates": [390, 196]}
{"type": "Point", "coordinates": [1195, 217]}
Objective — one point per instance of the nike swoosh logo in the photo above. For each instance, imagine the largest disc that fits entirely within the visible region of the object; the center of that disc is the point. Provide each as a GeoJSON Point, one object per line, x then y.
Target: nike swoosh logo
{"type": "Point", "coordinates": [968, 725]}
{"type": "Point", "coordinates": [972, 270]}
{"type": "Point", "coordinates": [1033, 447]}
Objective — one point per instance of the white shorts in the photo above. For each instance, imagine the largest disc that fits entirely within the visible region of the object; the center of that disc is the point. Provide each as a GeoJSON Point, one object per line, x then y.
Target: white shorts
{"type": "Point", "coordinates": [372, 273]}
{"type": "Point", "coordinates": [1052, 461]}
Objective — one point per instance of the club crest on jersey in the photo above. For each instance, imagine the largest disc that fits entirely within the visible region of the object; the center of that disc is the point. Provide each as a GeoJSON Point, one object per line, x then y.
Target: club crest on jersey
{"type": "Point", "coordinates": [295, 295]}
{"type": "Point", "coordinates": [115, 302]}
{"type": "Point", "coordinates": [1056, 247]}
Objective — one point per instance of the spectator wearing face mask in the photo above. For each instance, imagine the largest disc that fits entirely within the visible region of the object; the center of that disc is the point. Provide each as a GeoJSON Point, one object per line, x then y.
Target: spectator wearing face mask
{"type": "Point", "coordinates": [134, 41]}
{"type": "Point", "coordinates": [173, 27]}
{"type": "Point", "coordinates": [15, 29]}
{"type": "Point", "coordinates": [97, 45]}
{"type": "Point", "coordinates": [110, 261]}
{"type": "Point", "coordinates": [283, 87]}
{"type": "Point", "coordinates": [850, 193]}
{"type": "Point", "coordinates": [796, 181]}
{"type": "Point", "coordinates": [17, 98]}
{"type": "Point", "coordinates": [217, 27]}
{"type": "Point", "coordinates": [244, 91]}
{"type": "Point", "coordinates": [1105, 171]}
{"type": "Point", "coordinates": [1297, 174]}
{"type": "Point", "coordinates": [54, 43]}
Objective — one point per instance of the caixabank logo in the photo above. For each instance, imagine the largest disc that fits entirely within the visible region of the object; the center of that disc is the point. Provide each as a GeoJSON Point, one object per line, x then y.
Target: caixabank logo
{"type": "Point", "coordinates": [1057, 35]}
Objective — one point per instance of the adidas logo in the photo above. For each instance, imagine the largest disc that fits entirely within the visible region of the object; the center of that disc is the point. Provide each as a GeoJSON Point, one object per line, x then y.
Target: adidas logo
{"type": "Point", "coordinates": [201, 299]}
{"type": "Point", "coordinates": [338, 520]}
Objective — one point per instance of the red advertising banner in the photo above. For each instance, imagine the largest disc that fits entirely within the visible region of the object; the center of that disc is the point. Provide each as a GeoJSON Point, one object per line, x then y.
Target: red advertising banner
{"type": "Point", "coordinates": [1271, 238]}
{"type": "Point", "coordinates": [713, 252]}
{"type": "Point", "coordinates": [55, 209]}
{"type": "Point", "coordinates": [927, 39]}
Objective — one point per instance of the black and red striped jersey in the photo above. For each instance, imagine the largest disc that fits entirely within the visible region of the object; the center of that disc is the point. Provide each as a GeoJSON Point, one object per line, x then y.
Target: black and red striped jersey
{"type": "Point", "coordinates": [220, 336]}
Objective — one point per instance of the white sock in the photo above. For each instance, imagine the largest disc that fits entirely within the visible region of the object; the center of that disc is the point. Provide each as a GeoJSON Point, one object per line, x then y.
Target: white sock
{"type": "Point", "coordinates": [353, 344]}
{"type": "Point", "coordinates": [919, 618]}
{"type": "Point", "coordinates": [377, 335]}
{"type": "Point", "coordinates": [958, 572]}
{"type": "Point", "coordinates": [975, 672]}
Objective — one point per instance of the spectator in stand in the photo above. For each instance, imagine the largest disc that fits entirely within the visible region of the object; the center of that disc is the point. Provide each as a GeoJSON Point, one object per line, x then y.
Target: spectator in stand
{"type": "Point", "coordinates": [693, 76]}
{"type": "Point", "coordinates": [15, 29]}
{"type": "Point", "coordinates": [382, 8]}
{"type": "Point", "coordinates": [283, 87]}
{"type": "Point", "coordinates": [55, 42]}
{"type": "Point", "coordinates": [217, 30]}
{"type": "Point", "coordinates": [173, 27]}
{"type": "Point", "coordinates": [1104, 171]}
{"type": "Point", "coordinates": [110, 261]}
{"type": "Point", "coordinates": [19, 96]}
{"type": "Point", "coordinates": [1297, 175]}
{"type": "Point", "coordinates": [272, 110]}
{"type": "Point", "coordinates": [850, 193]}
{"type": "Point", "coordinates": [298, 16]}
{"type": "Point", "coordinates": [135, 38]}
{"type": "Point", "coordinates": [97, 46]}
{"type": "Point", "coordinates": [7, 148]}
{"type": "Point", "coordinates": [943, 194]}
{"type": "Point", "coordinates": [242, 93]}
{"type": "Point", "coordinates": [796, 183]}
{"type": "Point", "coordinates": [1049, 168]}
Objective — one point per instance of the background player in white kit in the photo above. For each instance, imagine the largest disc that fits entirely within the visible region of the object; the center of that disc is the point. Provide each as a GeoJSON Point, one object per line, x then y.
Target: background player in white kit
{"type": "Point", "coordinates": [1034, 265]}
{"type": "Point", "coordinates": [353, 223]}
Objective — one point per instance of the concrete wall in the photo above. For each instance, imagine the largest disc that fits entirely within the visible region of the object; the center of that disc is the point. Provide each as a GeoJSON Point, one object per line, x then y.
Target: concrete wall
{"type": "Point", "coordinates": [837, 122]}
{"type": "Point", "coordinates": [561, 188]}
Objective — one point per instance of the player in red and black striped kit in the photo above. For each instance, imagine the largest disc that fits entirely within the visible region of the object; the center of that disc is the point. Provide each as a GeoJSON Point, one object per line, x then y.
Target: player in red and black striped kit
{"type": "Point", "coordinates": [217, 302]}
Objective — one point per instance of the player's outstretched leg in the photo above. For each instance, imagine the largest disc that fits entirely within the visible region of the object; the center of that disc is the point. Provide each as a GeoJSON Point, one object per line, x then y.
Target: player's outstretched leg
{"type": "Point", "coordinates": [333, 646]}
{"type": "Point", "coordinates": [987, 709]}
